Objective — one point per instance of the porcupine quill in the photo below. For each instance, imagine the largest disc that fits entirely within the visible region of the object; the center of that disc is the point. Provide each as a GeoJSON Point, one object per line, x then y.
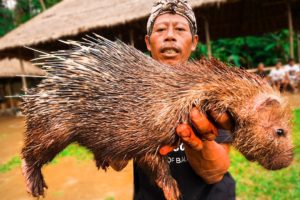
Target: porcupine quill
{"type": "Point", "coordinates": [122, 105]}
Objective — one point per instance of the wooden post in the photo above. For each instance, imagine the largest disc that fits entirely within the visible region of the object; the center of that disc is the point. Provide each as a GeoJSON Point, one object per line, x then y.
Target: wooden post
{"type": "Point", "coordinates": [291, 31]}
{"type": "Point", "coordinates": [43, 4]}
{"type": "Point", "coordinates": [298, 44]}
{"type": "Point", "coordinates": [207, 38]}
{"type": "Point", "coordinates": [24, 82]}
{"type": "Point", "coordinates": [131, 35]}
{"type": "Point", "coordinates": [10, 95]}
{"type": "Point", "coordinates": [120, 37]}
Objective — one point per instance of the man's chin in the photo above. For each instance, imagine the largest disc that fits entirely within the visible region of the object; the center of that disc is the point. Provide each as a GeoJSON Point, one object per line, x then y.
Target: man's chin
{"type": "Point", "coordinates": [171, 61]}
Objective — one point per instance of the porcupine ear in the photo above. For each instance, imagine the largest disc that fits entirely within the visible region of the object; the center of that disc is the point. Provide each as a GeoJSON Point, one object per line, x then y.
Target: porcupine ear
{"type": "Point", "coordinates": [266, 102]}
{"type": "Point", "coordinates": [270, 102]}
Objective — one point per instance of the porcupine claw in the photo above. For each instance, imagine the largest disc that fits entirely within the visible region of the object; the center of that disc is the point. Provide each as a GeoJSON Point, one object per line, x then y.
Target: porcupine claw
{"type": "Point", "coordinates": [170, 188]}
{"type": "Point", "coordinates": [158, 168]}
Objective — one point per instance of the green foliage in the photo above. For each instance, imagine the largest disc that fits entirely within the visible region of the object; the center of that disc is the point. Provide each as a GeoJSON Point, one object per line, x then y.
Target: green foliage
{"type": "Point", "coordinates": [6, 20]}
{"type": "Point", "coordinates": [200, 51]}
{"type": "Point", "coordinates": [249, 51]}
{"type": "Point", "coordinates": [24, 10]}
{"type": "Point", "coordinates": [296, 129]}
{"type": "Point", "coordinates": [254, 182]}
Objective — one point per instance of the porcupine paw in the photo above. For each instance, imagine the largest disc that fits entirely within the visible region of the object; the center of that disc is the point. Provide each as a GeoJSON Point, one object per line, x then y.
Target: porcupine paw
{"type": "Point", "coordinates": [169, 187]}
{"type": "Point", "coordinates": [35, 183]}
{"type": "Point", "coordinates": [103, 164]}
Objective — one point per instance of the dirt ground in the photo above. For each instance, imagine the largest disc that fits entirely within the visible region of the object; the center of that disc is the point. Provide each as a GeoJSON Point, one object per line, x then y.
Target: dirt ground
{"type": "Point", "coordinates": [69, 179]}
{"type": "Point", "coordinates": [294, 100]}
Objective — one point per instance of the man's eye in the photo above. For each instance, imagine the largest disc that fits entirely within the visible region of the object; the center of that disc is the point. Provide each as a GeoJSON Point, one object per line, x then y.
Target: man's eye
{"type": "Point", "coordinates": [160, 29]}
{"type": "Point", "coordinates": [180, 29]}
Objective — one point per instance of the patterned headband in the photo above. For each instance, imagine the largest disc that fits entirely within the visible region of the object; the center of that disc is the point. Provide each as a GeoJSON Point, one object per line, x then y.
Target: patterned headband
{"type": "Point", "coordinates": [180, 7]}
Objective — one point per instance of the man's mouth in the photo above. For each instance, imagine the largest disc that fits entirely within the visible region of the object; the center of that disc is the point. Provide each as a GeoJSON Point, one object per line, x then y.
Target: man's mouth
{"type": "Point", "coordinates": [170, 52]}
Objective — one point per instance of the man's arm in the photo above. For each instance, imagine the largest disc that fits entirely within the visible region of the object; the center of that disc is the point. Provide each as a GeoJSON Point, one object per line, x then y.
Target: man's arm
{"type": "Point", "coordinates": [211, 163]}
{"type": "Point", "coordinates": [214, 165]}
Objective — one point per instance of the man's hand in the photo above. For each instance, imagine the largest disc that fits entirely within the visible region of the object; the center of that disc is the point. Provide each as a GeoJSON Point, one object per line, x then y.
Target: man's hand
{"type": "Point", "coordinates": [209, 159]}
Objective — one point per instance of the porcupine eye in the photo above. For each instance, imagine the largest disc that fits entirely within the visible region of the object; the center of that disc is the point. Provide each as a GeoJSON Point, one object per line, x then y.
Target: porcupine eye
{"type": "Point", "coordinates": [280, 132]}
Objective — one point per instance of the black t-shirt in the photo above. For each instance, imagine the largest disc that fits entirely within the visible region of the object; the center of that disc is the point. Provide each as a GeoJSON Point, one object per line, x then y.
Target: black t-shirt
{"type": "Point", "coordinates": [192, 186]}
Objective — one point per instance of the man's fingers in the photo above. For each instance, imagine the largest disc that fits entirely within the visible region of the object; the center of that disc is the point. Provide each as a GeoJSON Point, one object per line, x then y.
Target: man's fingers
{"type": "Point", "coordinates": [188, 136]}
{"type": "Point", "coordinates": [223, 120]}
{"type": "Point", "coordinates": [200, 121]}
{"type": "Point", "coordinates": [165, 150]}
{"type": "Point", "coordinates": [203, 125]}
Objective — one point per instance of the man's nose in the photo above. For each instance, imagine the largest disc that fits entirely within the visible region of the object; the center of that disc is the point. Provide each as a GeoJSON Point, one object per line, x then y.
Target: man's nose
{"type": "Point", "coordinates": [170, 35]}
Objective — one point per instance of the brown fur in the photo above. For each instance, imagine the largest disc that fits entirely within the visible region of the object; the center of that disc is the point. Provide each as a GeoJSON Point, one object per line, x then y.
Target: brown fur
{"type": "Point", "coordinates": [123, 105]}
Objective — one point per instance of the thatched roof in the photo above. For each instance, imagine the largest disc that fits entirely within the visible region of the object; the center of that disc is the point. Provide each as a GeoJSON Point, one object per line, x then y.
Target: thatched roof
{"type": "Point", "coordinates": [249, 17]}
{"type": "Point", "coordinates": [12, 67]}
{"type": "Point", "coordinates": [118, 18]}
{"type": "Point", "coordinates": [71, 17]}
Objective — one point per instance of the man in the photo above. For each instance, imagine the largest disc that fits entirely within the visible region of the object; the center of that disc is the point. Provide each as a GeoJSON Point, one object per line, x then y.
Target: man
{"type": "Point", "coordinates": [261, 70]}
{"type": "Point", "coordinates": [292, 74]}
{"type": "Point", "coordinates": [277, 76]}
{"type": "Point", "coordinates": [199, 166]}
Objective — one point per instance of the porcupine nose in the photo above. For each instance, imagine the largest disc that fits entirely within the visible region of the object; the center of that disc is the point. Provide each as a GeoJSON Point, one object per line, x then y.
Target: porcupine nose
{"type": "Point", "coordinates": [280, 161]}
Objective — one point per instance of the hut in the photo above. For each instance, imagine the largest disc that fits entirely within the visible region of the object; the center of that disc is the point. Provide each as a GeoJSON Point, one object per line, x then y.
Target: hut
{"type": "Point", "coordinates": [126, 20]}
{"type": "Point", "coordinates": [13, 82]}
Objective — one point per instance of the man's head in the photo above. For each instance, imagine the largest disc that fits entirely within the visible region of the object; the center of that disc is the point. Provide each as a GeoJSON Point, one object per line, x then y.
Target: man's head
{"type": "Point", "coordinates": [260, 67]}
{"type": "Point", "coordinates": [291, 62]}
{"type": "Point", "coordinates": [171, 31]}
{"type": "Point", "coordinates": [278, 64]}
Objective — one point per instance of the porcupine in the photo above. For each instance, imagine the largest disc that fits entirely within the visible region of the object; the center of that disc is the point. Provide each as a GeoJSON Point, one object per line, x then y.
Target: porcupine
{"type": "Point", "coordinates": [122, 105]}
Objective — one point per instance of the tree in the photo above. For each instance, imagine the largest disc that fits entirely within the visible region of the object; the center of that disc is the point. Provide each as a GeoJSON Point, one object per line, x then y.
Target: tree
{"type": "Point", "coordinates": [24, 10]}
{"type": "Point", "coordinates": [6, 19]}
{"type": "Point", "coordinates": [251, 50]}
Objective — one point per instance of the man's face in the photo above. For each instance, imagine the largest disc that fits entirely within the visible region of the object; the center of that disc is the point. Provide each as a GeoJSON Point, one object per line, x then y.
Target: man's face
{"type": "Point", "coordinates": [291, 62]}
{"type": "Point", "coordinates": [278, 65]}
{"type": "Point", "coordinates": [171, 41]}
{"type": "Point", "coordinates": [261, 67]}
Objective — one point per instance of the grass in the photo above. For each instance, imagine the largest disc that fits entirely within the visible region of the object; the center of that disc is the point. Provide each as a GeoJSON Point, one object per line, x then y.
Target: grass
{"type": "Point", "coordinates": [109, 198]}
{"type": "Point", "coordinates": [253, 182]}
{"type": "Point", "coordinates": [12, 163]}
{"type": "Point", "coordinates": [72, 150]}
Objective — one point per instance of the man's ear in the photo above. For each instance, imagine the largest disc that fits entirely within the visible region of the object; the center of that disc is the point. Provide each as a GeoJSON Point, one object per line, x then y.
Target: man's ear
{"type": "Point", "coordinates": [195, 42]}
{"type": "Point", "coordinates": [147, 41]}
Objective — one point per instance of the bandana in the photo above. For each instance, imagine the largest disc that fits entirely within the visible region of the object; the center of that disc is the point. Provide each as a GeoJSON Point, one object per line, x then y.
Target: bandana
{"type": "Point", "coordinates": [180, 7]}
